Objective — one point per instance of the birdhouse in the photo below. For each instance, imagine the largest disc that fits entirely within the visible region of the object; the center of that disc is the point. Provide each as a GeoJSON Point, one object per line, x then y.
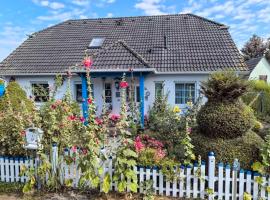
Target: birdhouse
{"type": "Point", "coordinates": [33, 138]}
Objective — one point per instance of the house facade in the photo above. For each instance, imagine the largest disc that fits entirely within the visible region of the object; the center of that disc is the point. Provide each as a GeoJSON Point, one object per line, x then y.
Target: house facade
{"type": "Point", "coordinates": [259, 69]}
{"type": "Point", "coordinates": [169, 54]}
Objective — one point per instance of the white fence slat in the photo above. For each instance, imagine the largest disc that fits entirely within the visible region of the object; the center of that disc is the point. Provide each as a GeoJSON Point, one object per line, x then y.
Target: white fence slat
{"type": "Point", "coordinates": [220, 180]}
{"type": "Point", "coordinates": [155, 179]}
{"type": "Point", "coordinates": [255, 187]}
{"type": "Point", "coordinates": [167, 189]}
{"type": "Point", "coordinates": [263, 188]}
{"type": "Point", "coordinates": [141, 179]}
{"type": "Point", "coordinates": [111, 171]}
{"type": "Point", "coordinates": [241, 184]}
{"type": "Point", "coordinates": [17, 176]}
{"type": "Point", "coordinates": [181, 181]}
{"type": "Point", "coordinates": [7, 170]}
{"type": "Point", "coordinates": [2, 172]}
{"type": "Point", "coordinates": [11, 163]}
{"type": "Point", "coordinates": [227, 181]}
{"type": "Point", "coordinates": [248, 182]}
{"type": "Point", "coordinates": [202, 181]}
{"type": "Point", "coordinates": [160, 188]}
{"type": "Point", "coordinates": [188, 186]}
{"type": "Point", "coordinates": [195, 181]}
{"type": "Point", "coordinates": [234, 184]}
{"type": "Point", "coordinates": [268, 193]}
{"type": "Point", "coordinates": [211, 173]}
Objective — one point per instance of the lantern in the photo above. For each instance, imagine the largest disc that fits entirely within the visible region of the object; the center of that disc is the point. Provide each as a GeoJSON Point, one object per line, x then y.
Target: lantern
{"type": "Point", "coordinates": [33, 138]}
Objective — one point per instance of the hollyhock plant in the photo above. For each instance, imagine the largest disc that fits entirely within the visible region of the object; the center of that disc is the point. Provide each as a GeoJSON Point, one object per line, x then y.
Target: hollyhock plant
{"type": "Point", "coordinates": [123, 84]}
{"type": "Point", "coordinates": [71, 118]}
{"type": "Point", "coordinates": [89, 101]}
{"type": "Point", "coordinates": [87, 62]}
{"type": "Point", "coordinates": [98, 121]}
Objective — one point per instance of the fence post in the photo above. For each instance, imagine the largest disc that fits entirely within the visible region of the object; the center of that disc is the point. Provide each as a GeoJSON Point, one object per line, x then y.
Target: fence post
{"type": "Point", "coordinates": [211, 174]}
{"type": "Point", "coordinates": [54, 158]}
{"type": "Point", "coordinates": [234, 178]}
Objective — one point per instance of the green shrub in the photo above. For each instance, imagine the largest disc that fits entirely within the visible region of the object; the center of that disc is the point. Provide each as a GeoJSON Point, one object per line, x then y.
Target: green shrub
{"type": "Point", "coordinates": [16, 114]}
{"type": "Point", "coordinates": [259, 99]}
{"type": "Point", "coordinates": [225, 120]}
{"type": "Point", "coordinates": [164, 123]}
{"type": "Point", "coordinates": [16, 95]}
{"type": "Point", "coordinates": [245, 148]}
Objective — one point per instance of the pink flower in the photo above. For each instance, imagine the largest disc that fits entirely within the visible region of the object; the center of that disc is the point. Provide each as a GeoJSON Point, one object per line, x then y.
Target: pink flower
{"type": "Point", "coordinates": [123, 84]}
{"type": "Point", "coordinates": [89, 101]}
{"type": "Point", "coordinates": [98, 121]}
{"type": "Point", "coordinates": [71, 118]}
{"type": "Point", "coordinates": [87, 62]}
{"type": "Point", "coordinates": [160, 154]}
{"type": "Point", "coordinates": [189, 129]}
{"type": "Point", "coordinates": [84, 151]}
{"type": "Point", "coordinates": [115, 117]}
{"type": "Point", "coordinates": [53, 106]}
{"type": "Point", "coordinates": [139, 146]}
{"type": "Point", "coordinates": [74, 149]}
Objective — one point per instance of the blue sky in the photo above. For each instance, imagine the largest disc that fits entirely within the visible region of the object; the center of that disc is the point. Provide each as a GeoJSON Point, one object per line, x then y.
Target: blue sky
{"type": "Point", "coordinates": [18, 18]}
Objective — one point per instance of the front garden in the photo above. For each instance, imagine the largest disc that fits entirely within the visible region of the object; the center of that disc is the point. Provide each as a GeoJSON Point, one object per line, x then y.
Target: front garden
{"type": "Point", "coordinates": [112, 152]}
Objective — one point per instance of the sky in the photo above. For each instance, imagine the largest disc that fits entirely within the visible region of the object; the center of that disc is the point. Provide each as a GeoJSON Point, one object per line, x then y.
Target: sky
{"type": "Point", "coordinates": [19, 18]}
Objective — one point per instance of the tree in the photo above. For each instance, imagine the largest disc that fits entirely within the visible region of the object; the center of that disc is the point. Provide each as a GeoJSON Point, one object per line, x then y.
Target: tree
{"type": "Point", "coordinates": [254, 47]}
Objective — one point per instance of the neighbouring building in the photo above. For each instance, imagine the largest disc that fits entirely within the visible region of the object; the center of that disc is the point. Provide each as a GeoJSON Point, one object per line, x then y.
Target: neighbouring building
{"type": "Point", "coordinates": [259, 69]}
{"type": "Point", "coordinates": [162, 54]}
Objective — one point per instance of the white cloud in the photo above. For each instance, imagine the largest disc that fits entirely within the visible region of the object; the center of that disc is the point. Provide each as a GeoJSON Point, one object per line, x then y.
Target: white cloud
{"type": "Point", "coordinates": [53, 5]}
{"type": "Point", "coordinates": [62, 16]}
{"type": "Point", "coordinates": [151, 7]}
{"type": "Point", "coordinates": [109, 15]}
{"type": "Point", "coordinates": [81, 2]}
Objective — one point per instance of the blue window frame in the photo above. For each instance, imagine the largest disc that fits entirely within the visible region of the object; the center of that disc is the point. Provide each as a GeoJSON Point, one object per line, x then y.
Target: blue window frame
{"type": "Point", "coordinates": [184, 92]}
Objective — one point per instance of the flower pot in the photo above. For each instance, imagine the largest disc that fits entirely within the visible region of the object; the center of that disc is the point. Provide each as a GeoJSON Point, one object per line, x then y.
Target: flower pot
{"type": "Point", "coordinates": [2, 89]}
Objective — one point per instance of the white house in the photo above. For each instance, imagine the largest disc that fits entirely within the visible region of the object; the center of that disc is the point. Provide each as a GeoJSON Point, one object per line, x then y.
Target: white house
{"type": "Point", "coordinates": [259, 69]}
{"type": "Point", "coordinates": [168, 53]}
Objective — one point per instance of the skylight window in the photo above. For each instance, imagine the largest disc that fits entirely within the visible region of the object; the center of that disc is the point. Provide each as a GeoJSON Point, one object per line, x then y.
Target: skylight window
{"type": "Point", "coordinates": [96, 42]}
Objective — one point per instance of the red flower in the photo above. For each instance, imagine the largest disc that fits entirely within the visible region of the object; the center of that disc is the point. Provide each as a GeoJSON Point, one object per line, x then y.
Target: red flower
{"type": "Point", "coordinates": [71, 117]}
{"type": "Point", "coordinates": [98, 121]}
{"type": "Point", "coordinates": [84, 151]}
{"type": "Point", "coordinates": [139, 146]}
{"type": "Point", "coordinates": [123, 84]}
{"type": "Point", "coordinates": [53, 106]}
{"type": "Point", "coordinates": [82, 119]}
{"type": "Point", "coordinates": [97, 141]}
{"type": "Point", "coordinates": [87, 62]}
{"type": "Point", "coordinates": [115, 117]}
{"type": "Point", "coordinates": [23, 133]}
{"type": "Point", "coordinates": [89, 101]}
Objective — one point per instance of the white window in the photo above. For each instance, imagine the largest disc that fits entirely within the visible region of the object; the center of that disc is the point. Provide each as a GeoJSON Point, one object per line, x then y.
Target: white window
{"type": "Point", "coordinates": [40, 91]}
{"type": "Point", "coordinates": [184, 92]}
{"type": "Point", "coordinates": [78, 90]}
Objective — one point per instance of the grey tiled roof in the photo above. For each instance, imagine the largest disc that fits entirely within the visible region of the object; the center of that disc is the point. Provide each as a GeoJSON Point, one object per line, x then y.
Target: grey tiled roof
{"type": "Point", "coordinates": [168, 43]}
{"type": "Point", "coordinates": [253, 62]}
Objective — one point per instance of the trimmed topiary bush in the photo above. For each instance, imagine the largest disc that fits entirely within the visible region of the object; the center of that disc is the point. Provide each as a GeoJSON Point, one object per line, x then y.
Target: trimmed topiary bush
{"type": "Point", "coordinates": [245, 148]}
{"type": "Point", "coordinates": [225, 115]}
{"type": "Point", "coordinates": [225, 119]}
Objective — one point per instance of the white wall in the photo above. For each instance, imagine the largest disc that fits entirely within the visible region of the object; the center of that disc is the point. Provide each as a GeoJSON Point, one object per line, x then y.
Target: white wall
{"type": "Point", "coordinates": [169, 86]}
{"type": "Point", "coordinates": [262, 68]}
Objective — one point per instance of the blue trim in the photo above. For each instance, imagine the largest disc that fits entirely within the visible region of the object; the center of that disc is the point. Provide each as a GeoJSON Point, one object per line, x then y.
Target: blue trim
{"type": "Point", "coordinates": [248, 172]}
{"type": "Point", "coordinates": [228, 166]}
{"type": "Point", "coordinates": [84, 96]}
{"type": "Point", "coordinates": [211, 153]}
{"type": "Point", "coordinates": [142, 99]}
{"type": "Point", "coordinates": [220, 164]}
{"type": "Point", "coordinates": [2, 90]}
{"type": "Point", "coordinates": [54, 144]}
{"type": "Point", "coordinates": [115, 74]}
{"type": "Point", "coordinates": [242, 171]}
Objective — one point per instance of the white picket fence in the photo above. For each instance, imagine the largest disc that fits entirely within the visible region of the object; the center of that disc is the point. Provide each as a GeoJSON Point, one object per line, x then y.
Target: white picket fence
{"type": "Point", "coordinates": [211, 181]}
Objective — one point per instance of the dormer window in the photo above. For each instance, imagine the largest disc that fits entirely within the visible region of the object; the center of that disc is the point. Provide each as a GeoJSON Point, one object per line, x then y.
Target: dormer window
{"type": "Point", "coordinates": [96, 42]}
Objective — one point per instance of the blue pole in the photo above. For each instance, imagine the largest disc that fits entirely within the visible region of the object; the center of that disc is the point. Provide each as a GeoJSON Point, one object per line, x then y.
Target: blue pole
{"type": "Point", "coordinates": [84, 96]}
{"type": "Point", "coordinates": [142, 99]}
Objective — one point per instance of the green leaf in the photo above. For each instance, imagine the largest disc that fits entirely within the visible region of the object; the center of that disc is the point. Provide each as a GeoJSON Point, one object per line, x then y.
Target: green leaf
{"type": "Point", "coordinates": [68, 182]}
{"type": "Point", "coordinates": [106, 183]}
{"type": "Point", "coordinates": [95, 181]}
{"type": "Point", "coordinates": [100, 170]}
{"type": "Point", "coordinates": [121, 186]}
{"type": "Point", "coordinates": [133, 187]}
{"type": "Point", "coordinates": [258, 166]}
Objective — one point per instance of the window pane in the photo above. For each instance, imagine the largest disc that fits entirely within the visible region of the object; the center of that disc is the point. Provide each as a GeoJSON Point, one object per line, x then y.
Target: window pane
{"type": "Point", "coordinates": [138, 97]}
{"type": "Point", "coordinates": [40, 92]}
{"type": "Point", "coordinates": [108, 93]}
{"type": "Point", "coordinates": [78, 88]}
{"type": "Point", "coordinates": [158, 89]}
{"type": "Point", "coordinates": [184, 92]}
